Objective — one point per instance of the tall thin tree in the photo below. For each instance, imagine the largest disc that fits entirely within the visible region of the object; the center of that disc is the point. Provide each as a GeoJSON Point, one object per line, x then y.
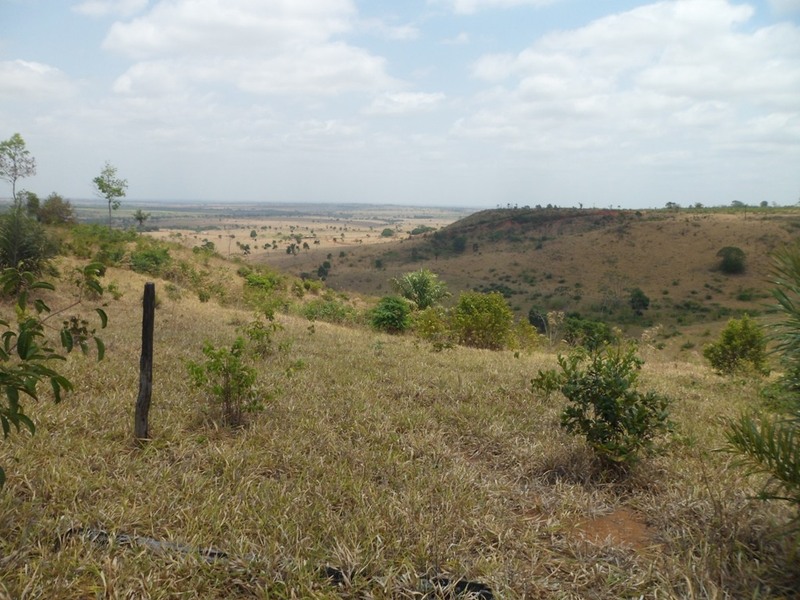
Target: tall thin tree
{"type": "Point", "coordinates": [16, 162]}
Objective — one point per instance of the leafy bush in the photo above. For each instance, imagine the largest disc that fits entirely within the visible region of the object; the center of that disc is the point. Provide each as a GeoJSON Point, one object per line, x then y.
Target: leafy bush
{"type": "Point", "coordinates": [592, 335]}
{"type": "Point", "coordinates": [26, 353]}
{"type": "Point", "coordinates": [731, 260]}
{"type": "Point", "coordinates": [422, 287]}
{"type": "Point", "coordinates": [431, 324]}
{"type": "Point", "coordinates": [24, 245]}
{"type": "Point", "coordinates": [100, 243]}
{"type": "Point", "coordinates": [229, 382]}
{"type": "Point", "coordinates": [619, 422]}
{"type": "Point", "coordinates": [392, 315]}
{"type": "Point", "coordinates": [265, 281]}
{"type": "Point", "coordinates": [741, 347]}
{"type": "Point", "coordinates": [482, 320]}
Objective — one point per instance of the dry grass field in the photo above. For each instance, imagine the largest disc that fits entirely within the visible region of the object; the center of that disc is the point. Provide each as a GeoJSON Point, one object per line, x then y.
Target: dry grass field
{"type": "Point", "coordinates": [379, 458]}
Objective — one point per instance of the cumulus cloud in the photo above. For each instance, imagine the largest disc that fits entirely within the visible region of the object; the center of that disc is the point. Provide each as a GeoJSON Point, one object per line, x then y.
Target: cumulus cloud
{"type": "Point", "coordinates": [253, 46]}
{"type": "Point", "coordinates": [404, 102]}
{"type": "Point", "coordinates": [685, 70]}
{"type": "Point", "coordinates": [784, 7]}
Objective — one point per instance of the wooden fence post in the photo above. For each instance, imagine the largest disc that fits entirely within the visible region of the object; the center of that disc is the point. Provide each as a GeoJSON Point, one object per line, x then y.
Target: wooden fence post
{"type": "Point", "coordinates": [140, 425]}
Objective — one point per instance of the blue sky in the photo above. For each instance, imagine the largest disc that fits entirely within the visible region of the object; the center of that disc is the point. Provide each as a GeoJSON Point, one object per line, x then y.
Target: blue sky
{"type": "Point", "coordinates": [434, 102]}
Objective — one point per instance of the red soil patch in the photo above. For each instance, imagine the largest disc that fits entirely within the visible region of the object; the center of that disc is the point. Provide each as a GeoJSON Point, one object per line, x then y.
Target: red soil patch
{"type": "Point", "coordinates": [623, 527]}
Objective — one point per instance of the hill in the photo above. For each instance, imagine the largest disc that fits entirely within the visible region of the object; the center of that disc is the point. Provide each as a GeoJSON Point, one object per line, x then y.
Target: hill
{"type": "Point", "coordinates": [584, 261]}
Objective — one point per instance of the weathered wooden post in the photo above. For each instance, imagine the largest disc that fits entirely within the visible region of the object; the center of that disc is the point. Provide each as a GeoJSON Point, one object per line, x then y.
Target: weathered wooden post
{"type": "Point", "coordinates": [140, 425]}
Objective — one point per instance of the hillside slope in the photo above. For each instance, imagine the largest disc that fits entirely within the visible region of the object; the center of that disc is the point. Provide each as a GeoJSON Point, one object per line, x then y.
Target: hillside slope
{"type": "Point", "coordinates": [585, 261]}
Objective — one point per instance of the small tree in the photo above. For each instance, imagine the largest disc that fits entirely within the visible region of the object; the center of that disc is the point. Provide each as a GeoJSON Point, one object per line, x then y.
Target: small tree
{"type": "Point", "coordinates": [741, 347]}
{"type": "Point", "coordinates": [110, 187]}
{"type": "Point", "coordinates": [228, 381]}
{"type": "Point", "coordinates": [30, 201]}
{"type": "Point", "coordinates": [639, 301]}
{"type": "Point", "coordinates": [422, 287]}
{"type": "Point", "coordinates": [140, 217]}
{"type": "Point", "coordinates": [731, 260]}
{"type": "Point", "coordinates": [56, 210]}
{"type": "Point", "coordinates": [16, 162]}
{"type": "Point", "coordinates": [619, 422]}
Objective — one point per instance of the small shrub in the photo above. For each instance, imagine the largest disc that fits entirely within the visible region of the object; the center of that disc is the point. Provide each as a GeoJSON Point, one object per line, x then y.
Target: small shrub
{"type": "Point", "coordinates": [228, 381]}
{"type": "Point", "coordinates": [741, 347]}
{"type": "Point", "coordinates": [483, 320]}
{"type": "Point", "coordinates": [619, 422]}
{"type": "Point", "coordinates": [392, 315]}
{"type": "Point", "coordinates": [260, 332]}
{"type": "Point", "coordinates": [328, 309]}
{"type": "Point", "coordinates": [150, 259]}
{"type": "Point", "coordinates": [24, 244]}
{"type": "Point", "coordinates": [638, 301]}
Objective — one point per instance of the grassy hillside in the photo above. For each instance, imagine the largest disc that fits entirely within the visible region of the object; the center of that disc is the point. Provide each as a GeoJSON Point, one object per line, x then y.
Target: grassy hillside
{"type": "Point", "coordinates": [378, 457]}
{"type": "Point", "coordinates": [584, 261]}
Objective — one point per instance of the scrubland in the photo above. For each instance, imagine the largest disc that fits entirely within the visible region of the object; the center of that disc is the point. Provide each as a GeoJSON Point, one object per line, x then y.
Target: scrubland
{"type": "Point", "coordinates": [377, 457]}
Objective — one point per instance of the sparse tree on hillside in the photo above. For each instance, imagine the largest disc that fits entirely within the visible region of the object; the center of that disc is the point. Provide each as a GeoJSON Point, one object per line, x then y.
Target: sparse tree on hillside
{"type": "Point", "coordinates": [140, 217]}
{"type": "Point", "coordinates": [30, 201]}
{"type": "Point", "coordinates": [56, 210]}
{"type": "Point", "coordinates": [110, 187]}
{"type": "Point", "coordinates": [16, 162]}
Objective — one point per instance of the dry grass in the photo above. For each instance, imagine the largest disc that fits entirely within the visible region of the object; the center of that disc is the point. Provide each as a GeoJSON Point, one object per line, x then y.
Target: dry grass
{"type": "Point", "coordinates": [381, 458]}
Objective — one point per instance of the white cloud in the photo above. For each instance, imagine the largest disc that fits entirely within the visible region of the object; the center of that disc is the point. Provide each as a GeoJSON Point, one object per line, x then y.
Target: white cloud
{"type": "Point", "coordinates": [102, 8]}
{"type": "Point", "coordinates": [33, 81]}
{"type": "Point", "coordinates": [258, 47]}
{"type": "Point", "coordinates": [404, 102]}
{"type": "Point", "coordinates": [672, 72]}
{"type": "Point", "coordinates": [380, 28]}
{"type": "Point", "coordinates": [468, 7]}
{"type": "Point", "coordinates": [230, 27]}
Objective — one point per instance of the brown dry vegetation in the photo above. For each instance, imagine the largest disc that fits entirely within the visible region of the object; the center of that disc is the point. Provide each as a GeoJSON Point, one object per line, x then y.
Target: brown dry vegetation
{"type": "Point", "coordinates": [376, 456]}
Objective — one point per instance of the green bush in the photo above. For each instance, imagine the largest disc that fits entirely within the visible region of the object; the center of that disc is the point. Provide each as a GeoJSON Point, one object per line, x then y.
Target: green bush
{"type": "Point", "coordinates": [731, 260]}
{"type": "Point", "coordinates": [24, 244]}
{"type": "Point", "coordinates": [330, 310]}
{"type": "Point", "coordinates": [592, 335]}
{"type": "Point", "coordinates": [392, 315]}
{"type": "Point", "coordinates": [431, 324]}
{"type": "Point", "coordinates": [149, 257]}
{"type": "Point", "coordinates": [483, 320]}
{"type": "Point", "coordinates": [619, 422]}
{"type": "Point", "coordinates": [741, 347]}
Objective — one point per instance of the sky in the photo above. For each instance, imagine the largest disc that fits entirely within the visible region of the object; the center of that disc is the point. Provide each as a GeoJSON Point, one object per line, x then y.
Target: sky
{"type": "Point", "coordinates": [474, 103]}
